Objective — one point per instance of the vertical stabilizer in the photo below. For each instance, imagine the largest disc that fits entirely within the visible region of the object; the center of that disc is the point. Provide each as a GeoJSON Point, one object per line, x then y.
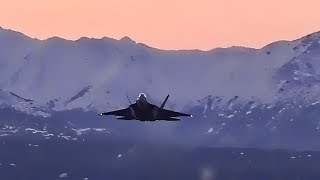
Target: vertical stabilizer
{"type": "Point", "coordinates": [164, 102]}
{"type": "Point", "coordinates": [129, 99]}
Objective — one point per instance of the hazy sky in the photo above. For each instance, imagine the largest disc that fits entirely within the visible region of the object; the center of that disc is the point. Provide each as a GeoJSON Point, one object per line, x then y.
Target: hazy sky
{"type": "Point", "coordinates": [166, 24]}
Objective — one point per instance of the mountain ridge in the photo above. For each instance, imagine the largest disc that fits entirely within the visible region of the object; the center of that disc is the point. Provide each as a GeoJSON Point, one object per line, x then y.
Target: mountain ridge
{"type": "Point", "coordinates": [43, 57]}
{"type": "Point", "coordinates": [316, 33]}
{"type": "Point", "coordinates": [240, 97]}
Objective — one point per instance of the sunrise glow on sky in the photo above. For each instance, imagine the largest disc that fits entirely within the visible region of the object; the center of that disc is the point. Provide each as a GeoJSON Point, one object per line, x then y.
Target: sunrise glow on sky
{"type": "Point", "coordinates": [166, 24]}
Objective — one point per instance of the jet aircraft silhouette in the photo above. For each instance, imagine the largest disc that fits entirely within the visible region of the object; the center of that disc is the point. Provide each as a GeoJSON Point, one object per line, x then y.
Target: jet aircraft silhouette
{"type": "Point", "coordinates": [144, 111]}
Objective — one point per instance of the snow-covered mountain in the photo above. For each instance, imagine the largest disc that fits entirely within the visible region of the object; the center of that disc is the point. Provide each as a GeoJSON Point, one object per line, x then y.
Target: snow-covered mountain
{"type": "Point", "coordinates": [95, 74]}
{"type": "Point", "coordinates": [235, 93]}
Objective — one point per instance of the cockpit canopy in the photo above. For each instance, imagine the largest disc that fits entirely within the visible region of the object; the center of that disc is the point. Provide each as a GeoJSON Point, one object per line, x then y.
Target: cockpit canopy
{"type": "Point", "coordinates": [142, 97]}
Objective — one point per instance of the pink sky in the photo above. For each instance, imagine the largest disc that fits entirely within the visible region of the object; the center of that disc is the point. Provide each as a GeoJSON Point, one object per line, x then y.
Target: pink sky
{"type": "Point", "coordinates": [166, 24]}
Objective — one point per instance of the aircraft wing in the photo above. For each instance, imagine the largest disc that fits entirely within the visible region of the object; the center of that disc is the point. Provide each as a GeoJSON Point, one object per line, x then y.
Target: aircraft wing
{"type": "Point", "coordinates": [121, 112]}
{"type": "Point", "coordinates": [167, 113]}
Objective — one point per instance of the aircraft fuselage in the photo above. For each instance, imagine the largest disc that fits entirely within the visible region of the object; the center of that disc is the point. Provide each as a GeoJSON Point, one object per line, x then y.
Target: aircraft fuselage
{"type": "Point", "coordinates": [144, 111]}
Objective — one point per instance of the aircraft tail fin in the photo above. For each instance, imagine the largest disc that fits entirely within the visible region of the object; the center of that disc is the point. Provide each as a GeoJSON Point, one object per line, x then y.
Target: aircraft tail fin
{"type": "Point", "coordinates": [164, 102]}
{"type": "Point", "coordinates": [129, 99]}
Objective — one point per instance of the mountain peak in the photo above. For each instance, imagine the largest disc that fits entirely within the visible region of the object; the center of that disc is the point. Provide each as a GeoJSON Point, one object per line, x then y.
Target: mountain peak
{"type": "Point", "coordinates": [56, 38]}
{"type": "Point", "coordinates": [315, 35]}
{"type": "Point", "coordinates": [127, 39]}
{"type": "Point", "coordinates": [14, 34]}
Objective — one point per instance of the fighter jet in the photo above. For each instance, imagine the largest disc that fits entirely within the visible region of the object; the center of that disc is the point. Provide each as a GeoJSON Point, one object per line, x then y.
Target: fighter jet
{"type": "Point", "coordinates": [142, 110]}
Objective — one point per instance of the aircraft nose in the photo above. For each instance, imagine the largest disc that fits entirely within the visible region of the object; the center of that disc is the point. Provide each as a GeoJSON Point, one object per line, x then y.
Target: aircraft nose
{"type": "Point", "coordinates": [142, 96]}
